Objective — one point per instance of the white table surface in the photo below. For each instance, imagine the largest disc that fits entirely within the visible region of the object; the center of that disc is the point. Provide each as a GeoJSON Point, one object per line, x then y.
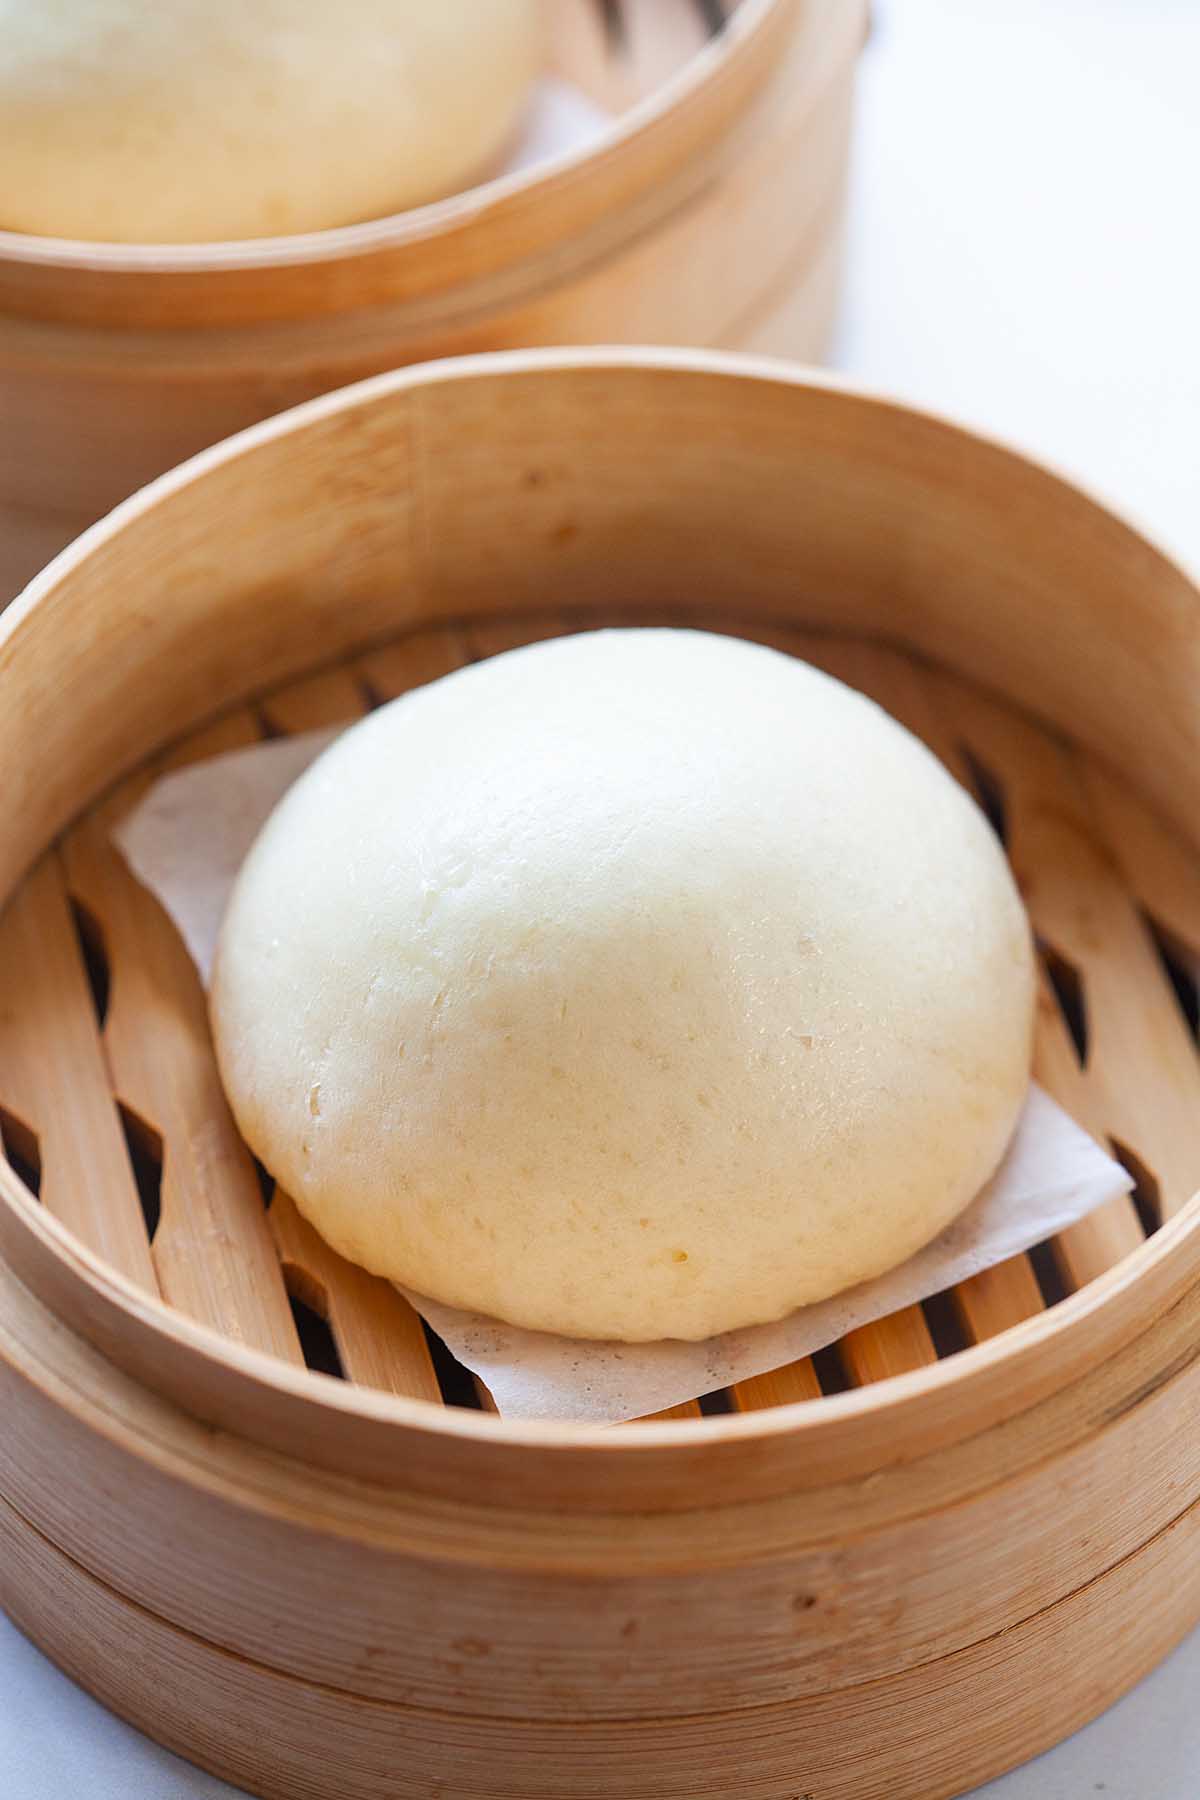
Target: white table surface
{"type": "Point", "coordinates": [1024, 253]}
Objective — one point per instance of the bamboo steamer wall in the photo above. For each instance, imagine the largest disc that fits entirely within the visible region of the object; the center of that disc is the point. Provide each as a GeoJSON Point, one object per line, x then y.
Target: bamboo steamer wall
{"type": "Point", "coordinates": [890, 1572]}
{"type": "Point", "coordinates": [709, 214]}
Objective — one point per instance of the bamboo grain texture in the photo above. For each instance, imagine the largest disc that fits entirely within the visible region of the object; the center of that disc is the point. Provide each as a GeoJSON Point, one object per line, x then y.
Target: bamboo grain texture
{"type": "Point", "coordinates": [853, 1580]}
{"type": "Point", "coordinates": [708, 211]}
{"type": "Point", "coordinates": [976, 1538]}
{"type": "Point", "coordinates": [237, 1258]}
{"type": "Point", "coordinates": [283, 1737]}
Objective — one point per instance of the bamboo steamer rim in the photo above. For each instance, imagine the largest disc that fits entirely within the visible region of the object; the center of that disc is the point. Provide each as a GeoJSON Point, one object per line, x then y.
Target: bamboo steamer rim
{"type": "Point", "coordinates": [766, 1451]}
{"type": "Point", "coordinates": [474, 234]}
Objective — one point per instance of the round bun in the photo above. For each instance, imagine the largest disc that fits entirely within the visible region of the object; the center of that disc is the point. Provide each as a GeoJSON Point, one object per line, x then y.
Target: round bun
{"type": "Point", "coordinates": [640, 984]}
{"type": "Point", "coordinates": [187, 121]}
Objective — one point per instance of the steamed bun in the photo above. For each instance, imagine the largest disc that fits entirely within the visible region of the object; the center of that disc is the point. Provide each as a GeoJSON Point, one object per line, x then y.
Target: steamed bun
{"type": "Point", "coordinates": [639, 984]}
{"type": "Point", "coordinates": [172, 121]}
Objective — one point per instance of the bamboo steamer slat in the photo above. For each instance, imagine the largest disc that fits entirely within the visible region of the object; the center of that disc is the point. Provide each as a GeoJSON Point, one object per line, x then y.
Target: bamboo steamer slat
{"type": "Point", "coordinates": [358, 1589]}
{"type": "Point", "coordinates": [709, 213]}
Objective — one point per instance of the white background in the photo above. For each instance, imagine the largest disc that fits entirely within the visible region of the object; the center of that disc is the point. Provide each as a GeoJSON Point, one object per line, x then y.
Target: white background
{"type": "Point", "coordinates": [1025, 253]}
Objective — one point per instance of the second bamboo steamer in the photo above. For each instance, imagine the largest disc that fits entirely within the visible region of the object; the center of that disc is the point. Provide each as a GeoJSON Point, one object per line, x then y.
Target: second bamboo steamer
{"type": "Point", "coordinates": [707, 213]}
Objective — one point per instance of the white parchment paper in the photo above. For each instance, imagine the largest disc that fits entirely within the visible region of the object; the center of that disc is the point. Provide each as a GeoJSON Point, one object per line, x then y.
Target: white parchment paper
{"type": "Point", "coordinates": [186, 841]}
{"type": "Point", "coordinates": [560, 117]}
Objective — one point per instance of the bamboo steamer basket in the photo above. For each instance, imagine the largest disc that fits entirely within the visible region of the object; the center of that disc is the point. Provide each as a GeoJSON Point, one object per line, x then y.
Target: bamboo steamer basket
{"type": "Point", "coordinates": [891, 1571]}
{"type": "Point", "coordinates": [708, 213]}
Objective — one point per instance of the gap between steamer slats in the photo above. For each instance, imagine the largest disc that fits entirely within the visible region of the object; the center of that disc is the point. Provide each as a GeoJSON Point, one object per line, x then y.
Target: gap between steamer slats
{"type": "Point", "coordinates": [1138, 1088]}
{"type": "Point", "coordinates": [621, 51]}
{"type": "Point", "coordinates": [54, 1081]}
{"type": "Point", "coordinates": [212, 1252]}
{"type": "Point", "coordinates": [60, 995]}
{"type": "Point", "coordinates": [1157, 869]}
{"type": "Point", "coordinates": [1141, 1067]}
{"type": "Point", "coordinates": [659, 38]}
{"type": "Point", "coordinates": [1039, 784]}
